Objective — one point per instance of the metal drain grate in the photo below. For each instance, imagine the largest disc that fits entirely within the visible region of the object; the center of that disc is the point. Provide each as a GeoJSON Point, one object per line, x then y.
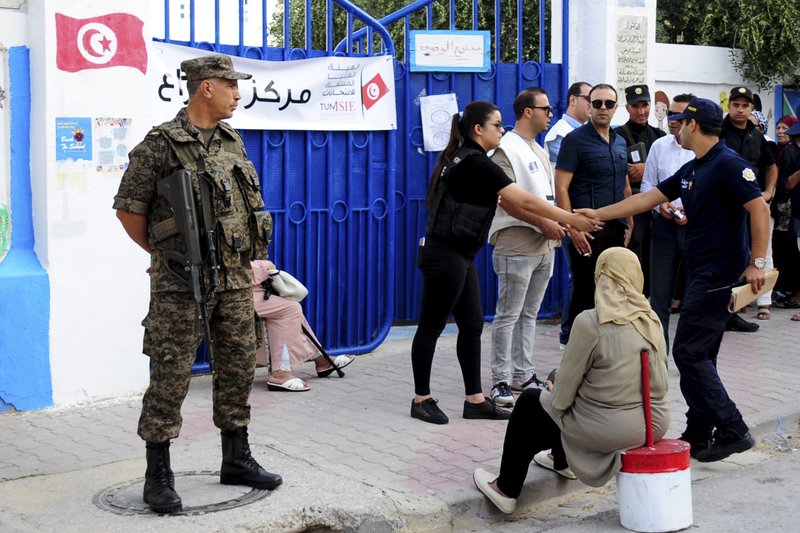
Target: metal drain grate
{"type": "Point", "coordinates": [201, 493]}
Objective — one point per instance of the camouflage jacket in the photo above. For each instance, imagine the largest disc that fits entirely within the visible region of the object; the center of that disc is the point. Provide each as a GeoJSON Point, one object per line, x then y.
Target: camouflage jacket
{"type": "Point", "coordinates": [242, 228]}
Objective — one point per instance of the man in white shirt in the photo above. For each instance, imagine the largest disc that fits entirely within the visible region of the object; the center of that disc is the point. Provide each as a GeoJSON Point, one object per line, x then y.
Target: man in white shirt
{"type": "Point", "coordinates": [577, 114]}
{"type": "Point", "coordinates": [523, 253]}
{"type": "Point", "coordinates": [666, 156]}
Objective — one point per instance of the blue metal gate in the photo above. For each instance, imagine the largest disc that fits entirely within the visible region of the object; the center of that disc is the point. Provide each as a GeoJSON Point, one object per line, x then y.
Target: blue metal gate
{"type": "Point", "coordinates": [348, 206]}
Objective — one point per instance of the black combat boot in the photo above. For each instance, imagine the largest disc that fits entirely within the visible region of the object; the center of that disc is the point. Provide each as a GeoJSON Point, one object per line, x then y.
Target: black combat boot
{"type": "Point", "coordinates": [239, 467]}
{"type": "Point", "coordinates": [159, 481]}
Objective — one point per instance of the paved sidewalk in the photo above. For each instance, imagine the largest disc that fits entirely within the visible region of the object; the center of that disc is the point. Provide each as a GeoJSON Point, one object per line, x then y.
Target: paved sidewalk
{"type": "Point", "coordinates": [350, 455]}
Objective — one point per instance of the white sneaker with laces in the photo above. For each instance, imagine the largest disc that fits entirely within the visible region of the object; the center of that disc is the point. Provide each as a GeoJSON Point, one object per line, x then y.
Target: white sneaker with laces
{"type": "Point", "coordinates": [501, 395]}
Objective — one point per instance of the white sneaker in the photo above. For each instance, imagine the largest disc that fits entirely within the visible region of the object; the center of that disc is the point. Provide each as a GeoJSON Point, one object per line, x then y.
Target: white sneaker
{"type": "Point", "coordinates": [501, 395]}
{"type": "Point", "coordinates": [482, 480]}
{"type": "Point", "coordinates": [543, 459]}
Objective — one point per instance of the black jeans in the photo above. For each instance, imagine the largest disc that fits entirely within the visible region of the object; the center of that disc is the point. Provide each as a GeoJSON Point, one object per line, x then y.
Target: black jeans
{"type": "Point", "coordinates": [530, 430]}
{"type": "Point", "coordinates": [450, 285]}
{"type": "Point", "coordinates": [583, 268]}
{"type": "Point", "coordinates": [665, 265]}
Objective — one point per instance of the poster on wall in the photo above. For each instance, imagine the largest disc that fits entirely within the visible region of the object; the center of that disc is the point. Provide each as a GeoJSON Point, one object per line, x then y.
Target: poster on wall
{"type": "Point", "coordinates": [334, 93]}
{"type": "Point", "coordinates": [73, 139]}
{"type": "Point", "coordinates": [111, 145]}
{"type": "Point", "coordinates": [437, 114]}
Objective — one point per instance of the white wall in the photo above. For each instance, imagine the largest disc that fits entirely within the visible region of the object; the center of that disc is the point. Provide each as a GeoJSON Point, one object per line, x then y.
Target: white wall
{"type": "Point", "coordinates": [98, 285]}
{"type": "Point", "coordinates": [703, 70]}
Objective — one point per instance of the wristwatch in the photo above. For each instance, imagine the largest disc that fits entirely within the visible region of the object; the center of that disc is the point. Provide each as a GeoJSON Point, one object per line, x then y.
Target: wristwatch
{"type": "Point", "coordinates": [759, 262]}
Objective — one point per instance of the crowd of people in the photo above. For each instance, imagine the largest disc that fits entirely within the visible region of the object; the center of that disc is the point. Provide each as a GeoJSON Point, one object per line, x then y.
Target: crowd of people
{"type": "Point", "coordinates": [711, 203]}
{"type": "Point", "coordinates": [700, 199]}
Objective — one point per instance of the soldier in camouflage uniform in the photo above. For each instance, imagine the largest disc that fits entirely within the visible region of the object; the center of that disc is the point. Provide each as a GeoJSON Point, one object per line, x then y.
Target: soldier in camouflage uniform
{"type": "Point", "coordinates": [170, 339]}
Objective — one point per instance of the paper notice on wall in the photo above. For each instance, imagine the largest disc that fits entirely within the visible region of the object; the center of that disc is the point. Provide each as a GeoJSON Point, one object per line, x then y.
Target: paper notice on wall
{"type": "Point", "coordinates": [111, 144]}
{"type": "Point", "coordinates": [437, 114]}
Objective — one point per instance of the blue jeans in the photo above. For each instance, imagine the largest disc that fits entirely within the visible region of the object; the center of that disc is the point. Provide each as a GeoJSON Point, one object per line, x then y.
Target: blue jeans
{"type": "Point", "coordinates": [523, 282]}
{"type": "Point", "coordinates": [666, 255]}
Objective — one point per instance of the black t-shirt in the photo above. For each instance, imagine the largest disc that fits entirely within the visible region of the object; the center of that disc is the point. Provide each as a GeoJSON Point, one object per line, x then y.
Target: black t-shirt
{"type": "Point", "coordinates": [477, 179]}
{"type": "Point", "coordinates": [751, 145]}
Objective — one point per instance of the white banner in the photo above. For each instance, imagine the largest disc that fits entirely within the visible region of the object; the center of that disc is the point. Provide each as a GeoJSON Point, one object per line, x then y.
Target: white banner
{"type": "Point", "coordinates": [324, 93]}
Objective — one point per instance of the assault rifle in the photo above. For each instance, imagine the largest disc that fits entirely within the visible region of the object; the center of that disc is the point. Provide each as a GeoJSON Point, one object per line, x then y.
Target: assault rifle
{"type": "Point", "coordinates": [195, 228]}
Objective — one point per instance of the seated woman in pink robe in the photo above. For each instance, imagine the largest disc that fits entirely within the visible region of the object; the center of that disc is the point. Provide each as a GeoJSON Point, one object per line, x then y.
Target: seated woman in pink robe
{"type": "Point", "coordinates": [289, 347]}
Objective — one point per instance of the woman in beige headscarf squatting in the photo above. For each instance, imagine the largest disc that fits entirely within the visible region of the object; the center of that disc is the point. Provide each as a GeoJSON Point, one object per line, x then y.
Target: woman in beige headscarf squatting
{"type": "Point", "coordinates": [594, 411]}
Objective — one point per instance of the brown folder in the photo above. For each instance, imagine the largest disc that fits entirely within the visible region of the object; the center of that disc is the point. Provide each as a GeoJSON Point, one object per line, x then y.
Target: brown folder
{"type": "Point", "coordinates": [744, 295]}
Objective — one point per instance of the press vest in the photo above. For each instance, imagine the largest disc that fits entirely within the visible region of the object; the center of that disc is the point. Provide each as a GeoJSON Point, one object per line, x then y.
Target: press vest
{"type": "Point", "coordinates": [531, 172]}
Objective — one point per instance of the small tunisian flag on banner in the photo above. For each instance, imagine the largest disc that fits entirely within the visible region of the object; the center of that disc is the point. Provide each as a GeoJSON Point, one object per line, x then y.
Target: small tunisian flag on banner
{"type": "Point", "coordinates": [111, 40]}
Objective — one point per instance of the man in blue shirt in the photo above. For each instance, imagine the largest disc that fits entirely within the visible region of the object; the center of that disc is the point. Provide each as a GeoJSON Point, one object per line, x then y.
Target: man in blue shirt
{"type": "Point", "coordinates": [717, 189]}
{"type": "Point", "coordinates": [591, 172]}
{"type": "Point", "coordinates": [577, 114]}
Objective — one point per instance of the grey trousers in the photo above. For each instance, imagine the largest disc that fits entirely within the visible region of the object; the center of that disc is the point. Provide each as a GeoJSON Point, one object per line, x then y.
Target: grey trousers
{"type": "Point", "coordinates": [523, 282]}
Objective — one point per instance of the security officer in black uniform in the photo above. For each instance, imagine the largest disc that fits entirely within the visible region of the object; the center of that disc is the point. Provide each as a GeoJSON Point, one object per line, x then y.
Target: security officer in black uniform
{"type": "Point", "coordinates": [744, 138]}
{"type": "Point", "coordinates": [718, 189]}
{"type": "Point", "coordinates": [635, 131]}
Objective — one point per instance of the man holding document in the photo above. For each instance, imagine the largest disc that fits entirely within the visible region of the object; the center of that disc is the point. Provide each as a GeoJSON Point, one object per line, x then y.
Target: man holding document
{"type": "Point", "coordinates": [717, 189]}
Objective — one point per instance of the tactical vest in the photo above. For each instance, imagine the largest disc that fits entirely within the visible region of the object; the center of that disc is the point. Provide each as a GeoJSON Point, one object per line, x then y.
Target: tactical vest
{"type": "Point", "coordinates": [243, 230]}
{"type": "Point", "coordinates": [449, 220]}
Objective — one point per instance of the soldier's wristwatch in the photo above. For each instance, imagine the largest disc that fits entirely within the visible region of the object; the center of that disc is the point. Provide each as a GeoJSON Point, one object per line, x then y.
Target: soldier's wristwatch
{"type": "Point", "coordinates": [759, 262]}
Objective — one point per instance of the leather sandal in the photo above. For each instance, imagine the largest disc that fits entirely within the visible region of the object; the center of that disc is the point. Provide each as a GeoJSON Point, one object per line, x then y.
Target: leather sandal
{"type": "Point", "coordinates": [763, 312]}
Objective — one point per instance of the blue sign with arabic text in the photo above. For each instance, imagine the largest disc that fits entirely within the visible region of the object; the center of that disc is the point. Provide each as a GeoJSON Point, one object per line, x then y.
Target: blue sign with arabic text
{"type": "Point", "coordinates": [449, 51]}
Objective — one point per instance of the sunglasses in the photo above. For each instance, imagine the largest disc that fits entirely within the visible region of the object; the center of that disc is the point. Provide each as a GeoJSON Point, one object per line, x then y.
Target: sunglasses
{"type": "Point", "coordinates": [610, 104]}
{"type": "Point", "coordinates": [672, 113]}
{"type": "Point", "coordinates": [547, 108]}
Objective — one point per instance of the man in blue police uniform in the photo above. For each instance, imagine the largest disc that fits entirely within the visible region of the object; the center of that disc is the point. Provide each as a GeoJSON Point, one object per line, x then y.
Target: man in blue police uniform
{"type": "Point", "coordinates": [717, 189]}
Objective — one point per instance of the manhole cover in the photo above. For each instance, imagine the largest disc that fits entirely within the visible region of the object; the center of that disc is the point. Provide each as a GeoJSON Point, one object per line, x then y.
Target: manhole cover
{"type": "Point", "coordinates": [201, 493]}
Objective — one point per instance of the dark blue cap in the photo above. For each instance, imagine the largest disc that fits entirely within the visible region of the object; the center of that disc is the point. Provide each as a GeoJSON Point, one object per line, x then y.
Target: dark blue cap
{"type": "Point", "coordinates": [704, 111]}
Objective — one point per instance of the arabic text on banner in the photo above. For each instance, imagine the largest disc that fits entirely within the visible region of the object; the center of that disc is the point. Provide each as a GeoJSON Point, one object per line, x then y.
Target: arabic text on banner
{"type": "Point", "coordinates": [324, 93]}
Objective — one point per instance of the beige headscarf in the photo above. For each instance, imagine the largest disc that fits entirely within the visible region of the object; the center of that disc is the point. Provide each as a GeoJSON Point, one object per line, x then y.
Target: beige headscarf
{"type": "Point", "coordinates": [618, 297]}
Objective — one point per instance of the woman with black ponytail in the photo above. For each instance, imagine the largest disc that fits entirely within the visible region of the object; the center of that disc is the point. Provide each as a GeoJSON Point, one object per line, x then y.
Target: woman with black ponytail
{"type": "Point", "coordinates": [465, 188]}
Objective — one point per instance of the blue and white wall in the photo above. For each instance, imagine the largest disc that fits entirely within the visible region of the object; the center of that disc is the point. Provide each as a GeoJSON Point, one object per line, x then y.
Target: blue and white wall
{"type": "Point", "coordinates": [73, 287]}
{"type": "Point", "coordinates": [25, 378]}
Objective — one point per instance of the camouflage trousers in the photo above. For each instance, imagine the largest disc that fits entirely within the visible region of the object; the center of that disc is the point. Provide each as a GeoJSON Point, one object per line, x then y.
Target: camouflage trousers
{"type": "Point", "coordinates": [171, 343]}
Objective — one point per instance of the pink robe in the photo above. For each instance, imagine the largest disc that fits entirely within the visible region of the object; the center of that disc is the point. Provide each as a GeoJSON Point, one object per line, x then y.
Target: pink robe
{"type": "Point", "coordinates": [284, 320]}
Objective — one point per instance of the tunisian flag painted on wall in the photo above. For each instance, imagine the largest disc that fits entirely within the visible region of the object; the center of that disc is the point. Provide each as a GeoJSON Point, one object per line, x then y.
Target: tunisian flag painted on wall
{"type": "Point", "coordinates": [111, 40]}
